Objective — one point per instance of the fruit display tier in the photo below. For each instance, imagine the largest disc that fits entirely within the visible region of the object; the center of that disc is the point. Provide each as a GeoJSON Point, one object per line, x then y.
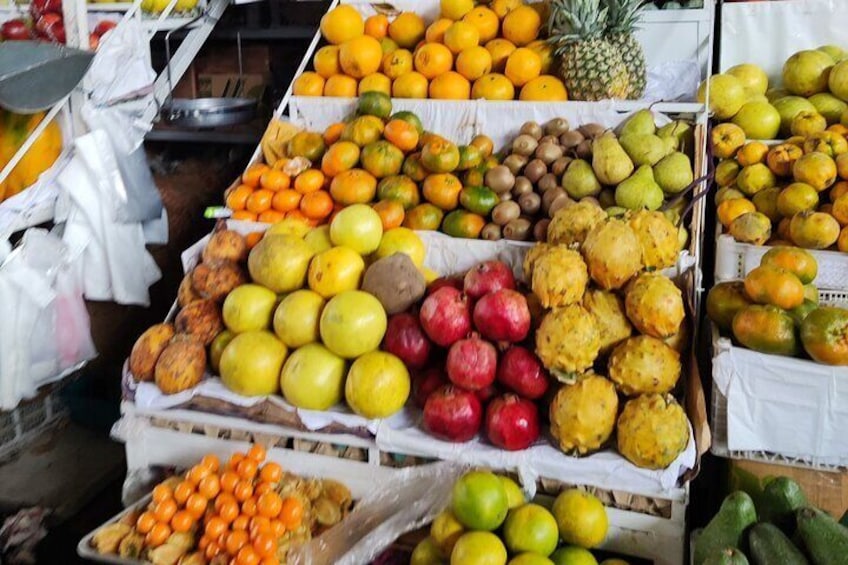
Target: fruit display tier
{"type": "Point", "coordinates": [677, 45]}
{"type": "Point", "coordinates": [753, 392]}
{"type": "Point", "coordinates": [734, 260]}
{"type": "Point", "coordinates": [647, 527]}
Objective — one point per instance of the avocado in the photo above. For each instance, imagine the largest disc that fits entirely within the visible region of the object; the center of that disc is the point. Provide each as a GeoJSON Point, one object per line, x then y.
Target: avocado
{"type": "Point", "coordinates": [781, 498]}
{"type": "Point", "coordinates": [727, 556]}
{"type": "Point", "coordinates": [826, 539]}
{"type": "Point", "coordinates": [769, 545]}
{"type": "Point", "coordinates": [727, 527]}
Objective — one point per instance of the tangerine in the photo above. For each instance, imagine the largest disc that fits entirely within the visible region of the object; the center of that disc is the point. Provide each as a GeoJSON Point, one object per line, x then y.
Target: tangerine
{"type": "Point", "coordinates": [500, 50]}
{"type": "Point", "coordinates": [433, 60]}
{"type": "Point", "coordinates": [286, 200]}
{"type": "Point", "coordinates": [308, 181]}
{"type": "Point", "coordinates": [326, 61]}
{"type": "Point", "coordinates": [342, 156]}
{"type": "Point", "coordinates": [341, 86]}
{"type": "Point", "coordinates": [521, 25]}
{"type": "Point", "coordinates": [391, 213]}
{"type": "Point", "coordinates": [271, 217]}
{"type": "Point", "coordinates": [317, 205]}
{"type": "Point", "coordinates": [251, 176]}
{"type": "Point", "coordinates": [331, 135]}
{"type": "Point", "coordinates": [522, 66]}
{"type": "Point", "coordinates": [401, 134]}
{"type": "Point", "coordinates": [309, 84]}
{"type": "Point", "coordinates": [442, 190]}
{"type": "Point", "coordinates": [436, 31]}
{"type": "Point", "coordinates": [474, 62]}
{"type": "Point", "coordinates": [355, 186]}
{"type": "Point", "coordinates": [275, 180]}
{"type": "Point", "coordinates": [410, 85]}
{"type": "Point", "coordinates": [244, 216]}
{"type": "Point", "coordinates": [461, 36]}
{"type": "Point", "coordinates": [377, 26]}
{"type": "Point", "coordinates": [485, 20]}
{"type": "Point", "coordinates": [493, 86]}
{"type": "Point", "coordinates": [543, 88]}
{"type": "Point", "coordinates": [257, 203]}
{"type": "Point", "coordinates": [450, 86]}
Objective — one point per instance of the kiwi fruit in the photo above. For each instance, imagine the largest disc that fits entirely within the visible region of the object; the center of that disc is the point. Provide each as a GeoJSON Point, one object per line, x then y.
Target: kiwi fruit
{"type": "Point", "coordinates": [500, 179]}
{"type": "Point", "coordinates": [491, 232]}
{"type": "Point", "coordinates": [540, 230]}
{"type": "Point", "coordinates": [532, 129]}
{"type": "Point", "coordinates": [518, 229]}
{"type": "Point", "coordinates": [524, 145]}
{"type": "Point", "coordinates": [515, 162]}
{"type": "Point", "coordinates": [557, 126]}
{"type": "Point", "coordinates": [505, 212]}
{"type": "Point", "coordinates": [535, 169]}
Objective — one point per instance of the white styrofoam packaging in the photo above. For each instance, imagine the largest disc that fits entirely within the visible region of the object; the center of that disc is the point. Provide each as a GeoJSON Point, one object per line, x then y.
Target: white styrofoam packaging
{"type": "Point", "coordinates": [767, 33]}
{"type": "Point", "coordinates": [785, 407]}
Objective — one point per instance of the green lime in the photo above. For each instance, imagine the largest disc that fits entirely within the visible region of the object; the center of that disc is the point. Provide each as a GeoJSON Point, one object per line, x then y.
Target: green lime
{"type": "Point", "coordinates": [581, 517]}
{"type": "Point", "coordinates": [374, 103]}
{"type": "Point", "coordinates": [479, 500]}
{"type": "Point", "coordinates": [573, 555]}
{"type": "Point", "coordinates": [530, 528]}
{"type": "Point", "coordinates": [478, 548]}
{"type": "Point", "coordinates": [426, 553]}
{"type": "Point", "coordinates": [514, 494]}
{"type": "Point", "coordinates": [530, 558]}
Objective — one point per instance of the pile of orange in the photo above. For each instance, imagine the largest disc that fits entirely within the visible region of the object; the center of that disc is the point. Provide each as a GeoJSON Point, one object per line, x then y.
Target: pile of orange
{"type": "Point", "coordinates": [270, 194]}
{"type": "Point", "coordinates": [235, 509]}
{"type": "Point", "coordinates": [487, 51]}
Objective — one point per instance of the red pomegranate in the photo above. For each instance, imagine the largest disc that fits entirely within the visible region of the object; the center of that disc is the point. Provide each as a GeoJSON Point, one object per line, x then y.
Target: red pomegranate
{"type": "Point", "coordinates": [502, 315]}
{"type": "Point", "coordinates": [425, 382]}
{"type": "Point", "coordinates": [453, 414]}
{"type": "Point", "coordinates": [405, 339]}
{"type": "Point", "coordinates": [512, 423]}
{"type": "Point", "coordinates": [520, 371]}
{"type": "Point", "coordinates": [489, 276]}
{"type": "Point", "coordinates": [472, 363]}
{"type": "Point", "coordinates": [446, 316]}
{"type": "Point", "coordinates": [453, 282]}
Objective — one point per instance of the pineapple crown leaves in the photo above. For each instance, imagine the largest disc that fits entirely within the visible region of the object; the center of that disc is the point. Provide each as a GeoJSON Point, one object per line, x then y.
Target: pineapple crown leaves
{"type": "Point", "coordinates": [572, 21]}
{"type": "Point", "coordinates": [623, 15]}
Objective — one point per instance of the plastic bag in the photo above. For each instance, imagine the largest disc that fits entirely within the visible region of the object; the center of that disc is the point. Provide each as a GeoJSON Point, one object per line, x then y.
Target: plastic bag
{"type": "Point", "coordinates": [121, 68]}
{"type": "Point", "coordinates": [45, 329]}
{"type": "Point", "coordinates": [410, 499]}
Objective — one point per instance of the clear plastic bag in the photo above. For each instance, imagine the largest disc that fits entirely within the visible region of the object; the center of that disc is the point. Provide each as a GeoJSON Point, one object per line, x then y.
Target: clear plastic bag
{"type": "Point", "coordinates": [410, 499]}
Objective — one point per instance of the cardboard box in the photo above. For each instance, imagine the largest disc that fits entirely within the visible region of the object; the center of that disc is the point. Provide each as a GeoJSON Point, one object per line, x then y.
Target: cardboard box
{"type": "Point", "coordinates": [214, 85]}
{"type": "Point", "coordinates": [824, 489]}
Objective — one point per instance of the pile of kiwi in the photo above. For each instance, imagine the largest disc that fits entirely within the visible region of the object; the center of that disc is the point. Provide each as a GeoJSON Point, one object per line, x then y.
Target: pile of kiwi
{"type": "Point", "coordinates": [528, 180]}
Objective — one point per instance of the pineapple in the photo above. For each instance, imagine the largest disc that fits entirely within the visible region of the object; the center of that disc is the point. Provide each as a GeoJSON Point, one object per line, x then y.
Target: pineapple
{"type": "Point", "coordinates": [589, 65]}
{"type": "Point", "coordinates": [622, 17]}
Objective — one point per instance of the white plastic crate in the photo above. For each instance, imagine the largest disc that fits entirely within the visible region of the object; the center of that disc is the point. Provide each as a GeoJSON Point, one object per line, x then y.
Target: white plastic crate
{"type": "Point", "coordinates": [735, 260]}
{"type": "Point", "coordinates": [651, 528]}
{"type": "Point", "coordinates": [778, 409]}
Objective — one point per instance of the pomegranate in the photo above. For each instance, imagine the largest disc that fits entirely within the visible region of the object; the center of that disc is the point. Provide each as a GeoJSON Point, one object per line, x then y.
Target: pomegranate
{"type": "Point", "coordinates": [453, 414]}
{"type": "Point", "coordinates": [16, 30]}
{"type": "Point", "coordinates": [103, 26]}
{"type": "Point", "coordinates": [503, 315]}
{"type": "Point", "coordinates": [521, 371]}
{"type": "Point", "coordinates": [472, 363]}
{"type": "Point", "coordinates": [453, 282]}
{"type": "Point", "coordinates": [489, 276]}
{"type": "Point", "coordinates": [425, 382]}
{"type": "Point", "coordinates": [446, 316]}
{"type": "Point", "coordinates": [406, 340]}
{"type": "Point", "coordinates": [38, 8]}
{"type": "Point", "coordinates": [512, 422]}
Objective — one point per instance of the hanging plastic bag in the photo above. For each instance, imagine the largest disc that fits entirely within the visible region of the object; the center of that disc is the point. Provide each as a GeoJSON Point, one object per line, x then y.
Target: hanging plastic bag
{"type": "Point", "coordinates": [121, 69]}
{"type": "Point", "coordinates": [408, 500]}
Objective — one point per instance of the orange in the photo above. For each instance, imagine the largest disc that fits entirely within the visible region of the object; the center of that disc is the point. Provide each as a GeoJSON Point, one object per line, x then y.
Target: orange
{"type": "Point", "coordinates": [260, 201]}
{"type": "Point", "coordinates": [474, 62]}
{"type": "Point", "coordinates": [317, 205]}
{"type": "Point", "coordinates": [341, 156]}
{"type": "Point", "coordinates": [522, 66]}
{"type": "Point", "coordinates": [521, 25]}
{"type": "Point", "coordinates": [410, 85]}
{"type": "Point", "coordinates": [442, 190]}
{"type": "Point", "coordinates": [309, 180]}
{"type": "Point", "coordinates": [499, 49]}
{"type": "Point", "coordinates": [436, 32]}
{"type": "Point", "coordinates": [391, 213]}
{"type": "Point", "coordinates": [455, 9]}
{"type": "Point", "coordinates": [182, 521]}
{"type": "Point", "coordinates": [402, 134]}
{"type": "Point", "coordinates": [326, 61]}
{"type": "Point", "coordinates": [331, 134]}
{"type": "Point", "coordinates": [361, 56]}
{"type": "Point", "coordinates": [502, 7]}
{"type": "Point", "coordinates": [271, 217]}
{"type": "Point", "coordinates": [251, 176]}
{"type": "Point", "coordinates": [485, 20]}
{"type": "Point", "coordinates": [423, 217]}
{"type": "Point", "coordinates": [308, 84]}
{"type": "Point", "coordinates": [397, 63]}
{"type": "Point", "coordinates": [376, 82]}
{"type": "Point", "coordinates": [164, 510]}
{"type": "Point", "coordinates": [460, 36]}
{"type": "Point", "coordinates": [157, 535]}
{"type": "Point", "coordinates": [342, 86]}
{"type": "Point", "coordinates": [244, 216]}
{"type": "Point", "coordinates": [275, 180]}
{"type": "Point", "coordinates": [545, 52]}
{"type": "Point", "coordinates": [400, 188]}
{"type": "Point", "coordinates": [433, 59]}
{"type": "Point", "coordinates": [377, 26]}
{"type": "Point", "coordinates": [493, 86]}
{"type": "Point", "coordinates": [450, 86]}
{"type": "Point", "coordinates": [355, 186]}
{"type": "Point", "coordinates": [407, 29]}
{"type": "Point", "coordinates": [341, 24]}
{"type": "Point", "coordinates": [285, 200]}
{"type": "Point", "coordinates": [545, 88]}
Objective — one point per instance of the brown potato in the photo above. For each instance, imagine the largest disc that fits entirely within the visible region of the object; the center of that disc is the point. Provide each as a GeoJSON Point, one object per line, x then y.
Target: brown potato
{"type": "Point", "coordinates": [147, 349]}
{"type": "Point", "coordinates": [201, 319]}
{"type": "Point", "coordinates": [181, 365]}
{"type": "Point", "coordinates": [226, 245]}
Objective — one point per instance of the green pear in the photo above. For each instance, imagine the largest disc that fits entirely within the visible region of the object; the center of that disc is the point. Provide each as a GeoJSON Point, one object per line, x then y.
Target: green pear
{"type": "Point", "coordinates": [610, 162]}
{"type": "Point", "coordinates": [682, 132]}
{"type": "Point", "coordinates": [640, 191]}
{"type": "Point", "coordinates": [644, 148]}
{"type": "Point", "coordinates": [674, 173]}
{"type": "Point", "coordinates": [579, 180]}
{"type": "Point", "coordinates": [642, 122]}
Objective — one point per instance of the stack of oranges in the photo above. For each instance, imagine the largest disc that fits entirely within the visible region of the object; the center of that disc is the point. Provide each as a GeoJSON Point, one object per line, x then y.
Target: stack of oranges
{"type": "Point", "coordinates": [488, 51]}
{"type": "Point", "coordinates": [270, 194]}
{"type": "Point", "coordinates": [235, 510]}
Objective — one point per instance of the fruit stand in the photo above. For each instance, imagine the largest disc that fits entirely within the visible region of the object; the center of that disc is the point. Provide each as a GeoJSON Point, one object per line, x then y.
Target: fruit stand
{"type": "Point", "coordinates": [458, 256]}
